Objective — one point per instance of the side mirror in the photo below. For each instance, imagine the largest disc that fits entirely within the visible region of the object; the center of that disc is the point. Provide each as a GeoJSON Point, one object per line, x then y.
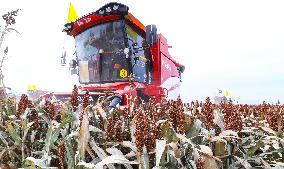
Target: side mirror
{"type": "Point", "coordinates": [182, 68]}
{"type": "Point", "coordinates": [73, 64]}
{"type": "Point", "coordinates": [74, 71]}
{"type": "Point", "coordinates": [151, 34]}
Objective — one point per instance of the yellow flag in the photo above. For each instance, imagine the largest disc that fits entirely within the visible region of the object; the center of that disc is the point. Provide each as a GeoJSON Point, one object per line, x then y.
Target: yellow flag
{"type": "Point", "coordinates": [72, 15]}
{"type": "Point", "coordinates": [34, 88]}
{"type": "Point", "coordinates": [30, 88]}
{"type": "Point", "coordinates": [227, 93]}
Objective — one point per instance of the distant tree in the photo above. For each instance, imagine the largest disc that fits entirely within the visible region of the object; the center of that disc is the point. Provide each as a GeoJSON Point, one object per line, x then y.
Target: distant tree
{"type": "Point", "coordinates": [9, 19]}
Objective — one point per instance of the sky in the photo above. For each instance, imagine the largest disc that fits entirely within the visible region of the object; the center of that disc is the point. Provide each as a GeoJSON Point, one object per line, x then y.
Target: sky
{"type": "Point", "coordinates": [230, 45]}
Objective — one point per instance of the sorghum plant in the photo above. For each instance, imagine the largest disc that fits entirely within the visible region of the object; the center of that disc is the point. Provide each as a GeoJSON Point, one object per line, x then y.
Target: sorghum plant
{"type": "Point", "coordinates": [176, 115]}
{"type": "Point", "coordinates": [50, 110]}
{"type": "Point", "coordinates": [232, 117]}
{"type": "Point", "coordinates": [207, 113]}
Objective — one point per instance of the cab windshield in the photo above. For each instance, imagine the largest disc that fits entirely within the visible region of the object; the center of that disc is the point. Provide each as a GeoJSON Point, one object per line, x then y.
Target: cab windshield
{"type": "Point", "coordinates": [100, 53]}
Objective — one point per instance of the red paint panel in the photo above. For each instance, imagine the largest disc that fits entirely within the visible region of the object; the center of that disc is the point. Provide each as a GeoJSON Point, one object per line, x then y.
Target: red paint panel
{"type": "Point", "coordinates": [89, 21]}
{"type": "Point", "coordinates": [156, 64]}
{"type": "Point", "coordinates": [168, 69]}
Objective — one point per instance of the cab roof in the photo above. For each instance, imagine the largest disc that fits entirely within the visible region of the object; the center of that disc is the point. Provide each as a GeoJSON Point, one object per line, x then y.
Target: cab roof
{"type": "Point", "coordinates": [109, 12]}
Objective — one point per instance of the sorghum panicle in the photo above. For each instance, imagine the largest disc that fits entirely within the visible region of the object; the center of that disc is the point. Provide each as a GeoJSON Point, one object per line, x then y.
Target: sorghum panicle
{"type": "Point", "coordinates": [207, 113]}
{"type": "Point", "coordinates": [85, 104]}
{"type": "Point", "coordinates": [50, 110]}
{"type": "Point", "coordinates": [200, 163]}
{"type": "Point", "coordinates": [114, 128]}
{"type": "Point", "coordinates": [119, 131]}
{"type": "Point", "coordinates": [176, 115]}
{"type": "Point", "coordinates": [22, 105]}
{"type": "Point", "coordinates": [33, 116]}
{"type": "Point", "coordinates": [86, 99]}
{"type": "Point", "coordinates": [61, 155]}
{"type": "Point", "coordinates": [100, 118]}
{"type": "Point", "coordinates": [110, 129]}
{"type": "Point", "coordinates": [273, 115]}
{"type": "Point", "coordinates": [232, 117]}
{"type": "Point", "coordinates": [74, 99]}
{"type": "Point", "coordinates": [140, 131]}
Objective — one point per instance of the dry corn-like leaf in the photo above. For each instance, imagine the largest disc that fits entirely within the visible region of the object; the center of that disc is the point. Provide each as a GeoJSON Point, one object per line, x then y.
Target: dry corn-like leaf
{"type": "Point", "coordinates": [100, 152]}
{"type": "Point", "coordinates": [87, 165]}
{"type": "Point", "coordinates": [176, 150]}
{"type": "Point", "coordinates": [243, 162]}
{"type": "Point", "coordinates": [209, 163]}
{"type": "Point", "coordinates": [84, 135]}
{"type": "Point", "coordinates": [219, 120]}
{"type": "Point", "coordinates": [114, 151]}
{"type": "Point", "coordinates": [229, 133]}
{"type": "Point", "coordinates": [220, 148]}
{"type": "Point", "coordinates": [268, 130]}
{"type": "Point", "coordinates": [205, 149]}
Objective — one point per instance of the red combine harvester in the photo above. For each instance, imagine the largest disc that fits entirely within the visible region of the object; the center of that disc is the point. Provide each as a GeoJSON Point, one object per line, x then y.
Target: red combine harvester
{"type": "Point", "coordinates": [111, 45]}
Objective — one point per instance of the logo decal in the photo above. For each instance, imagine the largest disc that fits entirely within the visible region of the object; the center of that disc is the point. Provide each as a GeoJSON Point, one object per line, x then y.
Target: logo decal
{"type": "Point", "coordinates": [123, 73]}
{"type": "Point", "coordinates": [166, 65]}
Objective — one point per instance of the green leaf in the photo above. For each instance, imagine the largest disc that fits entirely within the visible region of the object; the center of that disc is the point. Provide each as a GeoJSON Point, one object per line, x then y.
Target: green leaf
{"type": "Point", "coordinates": [195, 129]}
{"type": "Point", "coordinates": [86, 165]}
{"type": "Point", "coordinates": [184, 139]}
{"type": "Point", "coordinates": [4, 141]}
{"type": "Point", "coordinates": [3, 152]}
{"type": "Point", "coordinates": [168, 132]}
{"type": "Point", "coordinates": [219, 120]}
{"type": "Point", "coordinates": [145, 158]}
{"type": "Point", "coordinates": [253, 149]}
{"type": "Point", "coordinates": [268, 130]}
{"type": "Point", "coordinates": [54, 137]}
{"type": "Point", "coordinates": [13, 133]}
{"type": "Point", "coordinates": [114, 151]}
{"type": "Point", "coordinates": [100, 152]}
{"type": "Point", "coordinates": [239, 162]}
{"type": "Point", "coordinates": [37, 162]}
{"type": "Point", "coordinates": [70, 154]}
{"type": "Point", "coordinates": [130, 145]}
{"type": "Point", "coordinates": [95, 129]}
{"type": "Point", "coordinates": [48, 139]}
{"type": "Point", "coordinates": [266, 165]}
{"type": "Point", "coordinates": [160, 148]}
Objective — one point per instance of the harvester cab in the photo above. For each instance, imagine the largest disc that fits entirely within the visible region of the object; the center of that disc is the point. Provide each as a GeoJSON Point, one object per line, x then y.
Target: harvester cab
{"type": "Point", "coordinates": [116, 52]}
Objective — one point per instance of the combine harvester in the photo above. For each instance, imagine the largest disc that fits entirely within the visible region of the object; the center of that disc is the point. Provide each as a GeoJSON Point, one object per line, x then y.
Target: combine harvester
{"type": "Point", "coordinates": [113, 46]}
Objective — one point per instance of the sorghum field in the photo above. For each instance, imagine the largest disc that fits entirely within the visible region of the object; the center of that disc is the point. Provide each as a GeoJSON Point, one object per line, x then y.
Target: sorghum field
{"type": "Point", "coordinates": [171, 134]}
{"type": "Point", "coordinates": [48, 133]}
